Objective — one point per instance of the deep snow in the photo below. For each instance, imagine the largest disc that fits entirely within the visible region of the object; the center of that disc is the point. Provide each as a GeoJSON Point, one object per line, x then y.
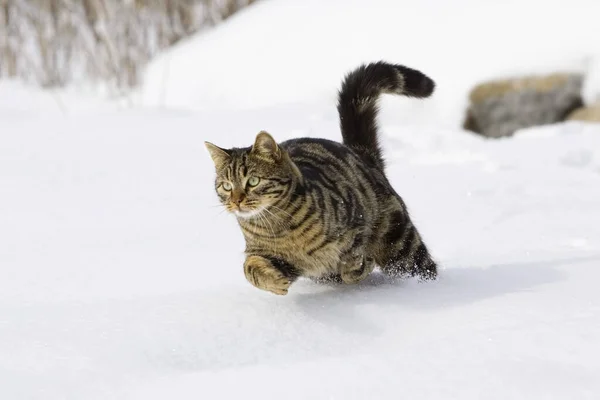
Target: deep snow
{"type": "Point", "coordinates": [121, 278]}
{"type": "Point", "coordinates": [122, 281]}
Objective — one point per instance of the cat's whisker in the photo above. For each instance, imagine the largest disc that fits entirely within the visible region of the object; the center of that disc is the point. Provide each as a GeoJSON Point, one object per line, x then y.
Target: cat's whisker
{"type": "Point", "coordinates": [265, 223]}
{"type": "Point", "coordinates": [270, 224]}
{"type": "Point", "coordinates": [277, 220]}
{"type": "Point", "coordinates": [223, 208]}
{"type": "Point", "coordinates": [282, 211]}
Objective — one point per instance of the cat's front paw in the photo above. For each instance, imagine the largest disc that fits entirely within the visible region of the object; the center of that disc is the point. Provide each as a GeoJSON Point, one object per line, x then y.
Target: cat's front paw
{"type": "Point", "coordinates": [262, 274]}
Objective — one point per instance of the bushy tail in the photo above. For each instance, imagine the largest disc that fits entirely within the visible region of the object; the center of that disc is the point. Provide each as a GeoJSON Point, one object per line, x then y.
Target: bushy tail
{"type": "Point", "coordinates": [357, 102]}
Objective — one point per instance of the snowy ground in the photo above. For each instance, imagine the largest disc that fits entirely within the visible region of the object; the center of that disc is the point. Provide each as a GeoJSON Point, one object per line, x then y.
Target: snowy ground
{"type": "Point", "coordinates": [121, 279]}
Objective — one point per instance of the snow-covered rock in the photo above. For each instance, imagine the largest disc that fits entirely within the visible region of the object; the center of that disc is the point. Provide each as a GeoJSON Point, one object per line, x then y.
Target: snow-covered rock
{"type": "Point", "coordinates": [589, 113]}
{"type": "Point", "coordinates": [502, 107]}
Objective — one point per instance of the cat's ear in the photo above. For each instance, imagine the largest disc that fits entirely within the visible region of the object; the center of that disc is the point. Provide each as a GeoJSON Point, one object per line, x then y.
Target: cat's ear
{"type": "Point", "coordinates": [219, 156]}
{"type": "Point", "coordinates": [266, 146]}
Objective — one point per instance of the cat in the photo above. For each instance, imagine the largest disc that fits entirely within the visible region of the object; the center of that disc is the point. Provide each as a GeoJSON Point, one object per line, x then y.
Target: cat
{"type": "Point", "coordinates": [320, 209]}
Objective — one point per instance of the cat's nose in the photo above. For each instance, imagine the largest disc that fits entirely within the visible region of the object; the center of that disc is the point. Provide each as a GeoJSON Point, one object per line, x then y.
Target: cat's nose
{"type": "Point", "coordinates": [237, 199]}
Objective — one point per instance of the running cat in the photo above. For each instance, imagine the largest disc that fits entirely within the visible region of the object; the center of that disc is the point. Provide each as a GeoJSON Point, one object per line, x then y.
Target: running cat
{"type": "Point", "coordinates": [318, 208]}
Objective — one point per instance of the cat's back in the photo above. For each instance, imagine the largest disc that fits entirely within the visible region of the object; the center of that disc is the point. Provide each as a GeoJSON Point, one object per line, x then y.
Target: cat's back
{"type": "Point", "coordinates": [320, 154]}
{"type": "Point", "coordinates": [335, 166]}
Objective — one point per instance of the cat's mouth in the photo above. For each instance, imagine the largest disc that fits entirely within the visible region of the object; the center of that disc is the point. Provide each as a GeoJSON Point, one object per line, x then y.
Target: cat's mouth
{"type": "Point", "coordinates": [247, 214]}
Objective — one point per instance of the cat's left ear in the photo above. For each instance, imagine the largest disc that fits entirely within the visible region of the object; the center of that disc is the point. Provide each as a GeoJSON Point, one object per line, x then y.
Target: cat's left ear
{"type": "Point", "coordinates": [266, 146]}
{"type": "Point", "coordinates": [219, 156]}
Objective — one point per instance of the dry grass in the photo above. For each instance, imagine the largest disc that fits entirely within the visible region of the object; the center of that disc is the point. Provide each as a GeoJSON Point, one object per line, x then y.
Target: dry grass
{"type": "Point", "coordinates": [57, 42]}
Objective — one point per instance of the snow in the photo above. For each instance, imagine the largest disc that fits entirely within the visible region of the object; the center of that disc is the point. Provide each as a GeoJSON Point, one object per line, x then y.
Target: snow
{"type": "Point", "coordinates": [591, 84]}
{"type": "Point", "coordinates": [121, 278]}
{"type": "Point", "coordinates": [285, 51]}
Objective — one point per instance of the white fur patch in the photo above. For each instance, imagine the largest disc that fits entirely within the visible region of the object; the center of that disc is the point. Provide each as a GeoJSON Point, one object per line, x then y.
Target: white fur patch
{"type": "Point", "coordinates": [248, 214]}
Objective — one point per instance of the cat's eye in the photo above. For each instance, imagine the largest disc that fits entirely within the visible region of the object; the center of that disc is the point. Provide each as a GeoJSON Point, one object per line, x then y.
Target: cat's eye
{"type": "Point", "coordinates": [227, 186]}
{"type": "Point", "coordinates": [253, 181]}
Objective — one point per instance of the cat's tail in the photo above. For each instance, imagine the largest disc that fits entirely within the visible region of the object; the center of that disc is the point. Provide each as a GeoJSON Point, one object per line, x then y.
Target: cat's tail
{"type": "Point", "coordinates": [358, 97]}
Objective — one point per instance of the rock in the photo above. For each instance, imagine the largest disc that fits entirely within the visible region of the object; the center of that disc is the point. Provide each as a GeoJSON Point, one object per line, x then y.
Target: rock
{"type": "Point", "coordinates": [589, 114]}
{"type": "Point", "coordinates": [499, 108]}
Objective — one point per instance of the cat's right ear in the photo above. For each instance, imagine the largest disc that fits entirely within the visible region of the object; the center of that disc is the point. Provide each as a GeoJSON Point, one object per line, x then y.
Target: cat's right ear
{"type": "Point", "coordinates": [266, 146]}
{"type": "Point", "coordinates": [219, 156]}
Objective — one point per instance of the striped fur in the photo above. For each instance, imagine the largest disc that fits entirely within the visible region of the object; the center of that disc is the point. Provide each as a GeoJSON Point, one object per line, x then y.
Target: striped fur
{"type": "Point", "coordinates": [320, 208]}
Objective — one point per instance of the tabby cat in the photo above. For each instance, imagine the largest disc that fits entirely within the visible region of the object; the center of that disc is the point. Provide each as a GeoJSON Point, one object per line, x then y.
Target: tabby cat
{"type": "Point", "coordinates": [320, 209]}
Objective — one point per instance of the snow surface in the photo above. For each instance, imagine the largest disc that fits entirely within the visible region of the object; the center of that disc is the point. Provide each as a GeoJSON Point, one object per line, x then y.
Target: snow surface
{"type": "Point", "coordinates": [591, 84]}
{"type": "Point", "coordinates": [121, 278]}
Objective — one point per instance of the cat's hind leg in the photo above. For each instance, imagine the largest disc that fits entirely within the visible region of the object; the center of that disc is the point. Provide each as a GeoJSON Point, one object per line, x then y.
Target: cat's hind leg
{"type": "Point", "coordinates": [405, 251]}
{"type": "Point", "coordinates": [356, 269]}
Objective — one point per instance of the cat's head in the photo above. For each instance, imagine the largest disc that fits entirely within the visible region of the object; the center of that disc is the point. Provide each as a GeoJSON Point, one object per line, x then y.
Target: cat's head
{"type": "Point", "coordinates": [253, 179]}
